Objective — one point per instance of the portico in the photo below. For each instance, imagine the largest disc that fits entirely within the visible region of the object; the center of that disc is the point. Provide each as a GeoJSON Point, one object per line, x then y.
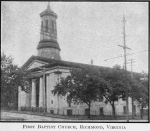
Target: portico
{"type": "Point", "coordinates": [38, 92]}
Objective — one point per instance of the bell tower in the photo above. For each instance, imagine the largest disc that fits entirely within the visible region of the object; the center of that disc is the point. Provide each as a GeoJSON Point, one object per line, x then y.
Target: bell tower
{"type": "Point", "coordinates": [48, 46]}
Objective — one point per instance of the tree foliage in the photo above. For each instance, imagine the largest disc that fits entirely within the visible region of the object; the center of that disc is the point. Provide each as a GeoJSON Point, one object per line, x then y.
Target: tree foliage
{"type": "Point", "coordinates": [115, 88]}
{"type": "Point", "coordinates": [80, 87]}
{"type": "Point", "coordinates": [11, 77]}
{"type": "Point", "coordinates": [86, 85]}
{"type": "Point", "coordinates": [140, 90]}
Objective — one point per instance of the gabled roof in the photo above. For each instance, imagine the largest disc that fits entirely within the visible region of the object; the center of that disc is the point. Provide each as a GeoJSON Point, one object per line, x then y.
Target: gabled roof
{"type": "Point", "coordinates": [53, 63]}
{"type": "Point", "coordinates": [32, 58]}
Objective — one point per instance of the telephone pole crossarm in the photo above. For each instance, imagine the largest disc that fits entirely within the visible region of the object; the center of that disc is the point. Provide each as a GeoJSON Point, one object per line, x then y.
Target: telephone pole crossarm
{"type": "Point", "coordinates": [124, 47]}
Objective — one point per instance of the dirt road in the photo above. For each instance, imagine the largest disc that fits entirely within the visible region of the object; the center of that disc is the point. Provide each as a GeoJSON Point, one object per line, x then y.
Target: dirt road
{"type": "Point", "coordinates": [12, 116]}
{"type": "Point", "coordinates": [9, 116]}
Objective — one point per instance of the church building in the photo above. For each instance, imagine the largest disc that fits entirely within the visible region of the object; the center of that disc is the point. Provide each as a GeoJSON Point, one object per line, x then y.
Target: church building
{"type": "Point", "coordinates": [47, 68]}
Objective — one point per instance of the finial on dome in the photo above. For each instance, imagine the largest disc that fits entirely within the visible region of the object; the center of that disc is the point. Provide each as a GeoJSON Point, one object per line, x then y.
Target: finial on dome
{"type": "Point", "coordinates": [48, 7]}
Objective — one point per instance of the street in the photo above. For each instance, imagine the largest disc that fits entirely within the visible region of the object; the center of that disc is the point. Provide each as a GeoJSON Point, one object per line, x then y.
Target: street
{"type": "Point", "coordinates": [12, 116]}
{"type": "Point", "coordinates": [9, 116]}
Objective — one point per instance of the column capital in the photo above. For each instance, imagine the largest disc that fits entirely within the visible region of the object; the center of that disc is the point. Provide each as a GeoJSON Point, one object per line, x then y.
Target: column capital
{"type": "Point", "coordinates": [33, 80]}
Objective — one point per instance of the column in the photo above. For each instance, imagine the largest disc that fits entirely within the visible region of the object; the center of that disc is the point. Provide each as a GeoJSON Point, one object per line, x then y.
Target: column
{"type": "Point", "coordinates": [26, 96]}
{"type": "Point", "coordinates": [30, 93]}
{"type": "Point", "coordinates": [41, 93]}
{"type": "Point", "coordinates": [47, 94]}
{"type": "Point", "coordinates": [33, 97]}
{"type": "Point", "coordinates": [19, 98]}
{"type": "Point", "coordinates": [44, 99]}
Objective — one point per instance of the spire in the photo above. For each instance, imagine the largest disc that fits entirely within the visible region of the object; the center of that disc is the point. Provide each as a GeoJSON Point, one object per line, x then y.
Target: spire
{"type": "Point", "coordinates": [48, 7]}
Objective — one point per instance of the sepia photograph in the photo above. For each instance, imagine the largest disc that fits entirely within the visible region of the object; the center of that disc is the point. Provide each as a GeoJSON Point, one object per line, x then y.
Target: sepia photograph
{"type": "Point", "coordinates": [74, 62]}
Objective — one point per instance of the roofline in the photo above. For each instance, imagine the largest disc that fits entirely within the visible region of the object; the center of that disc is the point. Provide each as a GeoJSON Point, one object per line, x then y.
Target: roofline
{"type": "Point", "coordinates": [53, 63]}
{"type": "Point", "coordinates": [46, 12]}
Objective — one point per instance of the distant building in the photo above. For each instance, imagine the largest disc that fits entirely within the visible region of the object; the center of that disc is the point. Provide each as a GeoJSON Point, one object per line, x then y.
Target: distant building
{"type": "Point", "coordinates": [47, 68]}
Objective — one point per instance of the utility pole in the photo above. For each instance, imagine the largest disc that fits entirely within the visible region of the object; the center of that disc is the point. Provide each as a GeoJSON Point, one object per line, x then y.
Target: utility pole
{"type": "Point", "coordinates": [125, 62]}
{"type": "Point", "coordinates": [132, 61]}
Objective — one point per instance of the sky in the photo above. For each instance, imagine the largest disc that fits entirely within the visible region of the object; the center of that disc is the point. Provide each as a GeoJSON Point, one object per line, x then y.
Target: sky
{"type": "Point", "coordinates": [85, 31]}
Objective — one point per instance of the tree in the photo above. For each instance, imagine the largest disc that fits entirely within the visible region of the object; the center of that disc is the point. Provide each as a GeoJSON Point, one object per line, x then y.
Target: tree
{"type": "Point", "coordinates": [11, 77]}
{"type": "Point", "coordinates": [115, 88]}
{"type": "Point", "coordinates": [80, 87]}
{"type": "Point", "coordinates": [140, 90]}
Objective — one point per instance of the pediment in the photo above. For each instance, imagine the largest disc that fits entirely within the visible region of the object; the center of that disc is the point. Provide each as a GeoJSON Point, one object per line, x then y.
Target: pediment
{"type": "Point", "coordinates": [35, 64]}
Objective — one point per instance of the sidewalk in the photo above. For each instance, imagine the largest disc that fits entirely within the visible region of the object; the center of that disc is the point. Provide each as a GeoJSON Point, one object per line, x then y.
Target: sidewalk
{"type": "Point", "coordinates": [78, 118]}
{"type": "Point", "coordinates": [42, 114]}
{"type": "Point", "coordinates": [12, 116]}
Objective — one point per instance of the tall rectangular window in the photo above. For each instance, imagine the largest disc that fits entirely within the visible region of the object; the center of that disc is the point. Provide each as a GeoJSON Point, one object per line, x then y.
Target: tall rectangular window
{"type": "Point", "coordinates": [42, 26]}
{"type": "Point", "coordinates": [46, 26]}
{"type": "Point", "coordinates": [87, 111]}
{"type": "Point", "coordinates": [101, 111]}
{"type": "Point", "coordinates": [53, 26]}
{"type": "Point", "coordinates": [134, 108]}
{"type": "Point", "coordinates": [124, 109]}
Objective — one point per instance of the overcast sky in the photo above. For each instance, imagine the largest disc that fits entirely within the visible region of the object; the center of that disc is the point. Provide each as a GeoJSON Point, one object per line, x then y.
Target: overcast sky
{"type": "Point", "coordinates": [86, 30]}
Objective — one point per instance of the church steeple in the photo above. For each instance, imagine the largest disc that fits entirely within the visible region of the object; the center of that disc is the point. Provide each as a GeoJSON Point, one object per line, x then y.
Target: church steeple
{"type": "Point", "coordinates": [48, 46]}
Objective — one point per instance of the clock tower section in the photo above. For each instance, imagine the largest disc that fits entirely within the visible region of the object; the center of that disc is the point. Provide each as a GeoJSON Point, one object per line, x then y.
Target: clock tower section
{"type": "Point", "coordinates": [48, 46]}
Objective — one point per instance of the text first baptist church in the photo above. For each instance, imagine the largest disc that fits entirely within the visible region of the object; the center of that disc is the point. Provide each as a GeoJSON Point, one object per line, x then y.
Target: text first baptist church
{"type": "Point", "coordinates": [47, 68]}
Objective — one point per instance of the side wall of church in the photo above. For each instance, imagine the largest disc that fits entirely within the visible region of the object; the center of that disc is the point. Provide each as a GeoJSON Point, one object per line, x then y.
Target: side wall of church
{"type": "Point", "coordinates": [54, 102]}
{"type": "Point", "coordinates": [58, 105]}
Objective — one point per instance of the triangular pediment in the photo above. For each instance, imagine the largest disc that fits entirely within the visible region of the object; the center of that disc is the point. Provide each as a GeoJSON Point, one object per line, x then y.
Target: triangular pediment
{"type": "Point", "coordinates": [36, 63]}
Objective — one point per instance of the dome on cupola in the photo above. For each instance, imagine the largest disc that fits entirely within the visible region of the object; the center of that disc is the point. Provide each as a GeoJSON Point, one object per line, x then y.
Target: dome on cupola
{"type": "Point", "coordinates": [48, 46]}
{"type": "Point", "coordinates": [48, 11]}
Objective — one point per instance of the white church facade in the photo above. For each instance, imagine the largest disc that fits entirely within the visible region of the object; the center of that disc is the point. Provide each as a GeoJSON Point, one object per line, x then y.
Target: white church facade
{"type": "Point", "coordinates": [47, 68]}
